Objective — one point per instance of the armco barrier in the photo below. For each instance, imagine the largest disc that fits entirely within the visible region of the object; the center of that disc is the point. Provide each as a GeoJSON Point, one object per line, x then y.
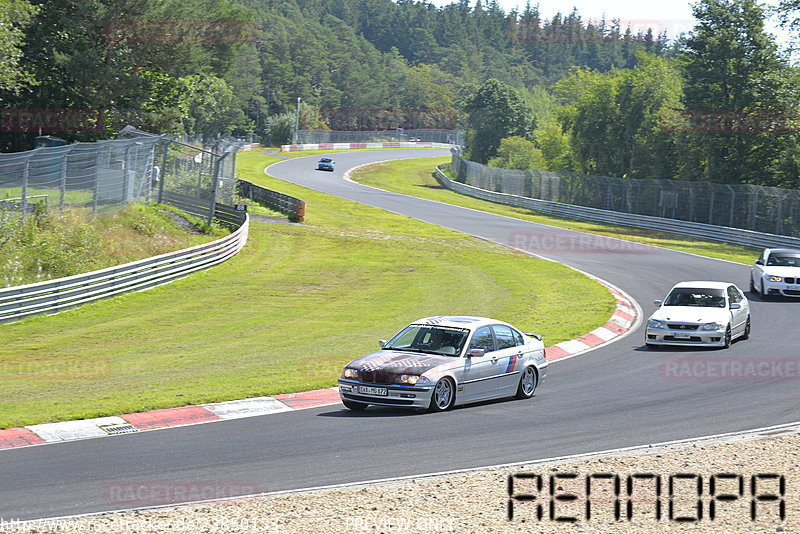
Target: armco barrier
{"type": "Point", "coordinates": [356, 146]}
{"type": "Point", "coordinates": [57, 295]}
{"type": "Point", "coordinates": [291, 206]}
{"type": "Point", "coordinates": [735, 236]}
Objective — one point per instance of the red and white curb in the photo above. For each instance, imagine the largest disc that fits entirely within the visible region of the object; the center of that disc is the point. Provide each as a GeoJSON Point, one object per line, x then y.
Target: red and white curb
{"type": "Point", "coordinates": [165, 418]}
{"type": "Point", "coordinates": [621, 322]}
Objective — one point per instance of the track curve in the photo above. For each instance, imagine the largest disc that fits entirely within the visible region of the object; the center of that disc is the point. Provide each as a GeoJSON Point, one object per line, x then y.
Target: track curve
{"type": "Point", "coordinates": [615, 397]}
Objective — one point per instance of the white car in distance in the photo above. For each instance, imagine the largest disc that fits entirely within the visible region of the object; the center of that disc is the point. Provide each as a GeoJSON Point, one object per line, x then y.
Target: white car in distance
{"type": "Point", "coordinates": [699, 314]}
{"type": "Point", "coordinates": [776, 273]}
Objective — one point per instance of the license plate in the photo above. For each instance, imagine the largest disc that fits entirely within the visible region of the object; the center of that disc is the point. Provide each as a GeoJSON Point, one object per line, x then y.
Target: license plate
{"type": "Point", "coordinates": [682, 335]}
{"type": "Point", "coordinates": [369, 390]}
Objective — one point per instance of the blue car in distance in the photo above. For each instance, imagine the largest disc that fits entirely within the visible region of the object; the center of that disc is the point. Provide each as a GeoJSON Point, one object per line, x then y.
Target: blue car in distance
{"type": "Point", "coordinates": [325, 164]}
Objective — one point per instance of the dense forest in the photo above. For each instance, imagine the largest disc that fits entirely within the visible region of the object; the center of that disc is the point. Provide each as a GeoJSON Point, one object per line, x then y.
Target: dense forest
{"type": "Point", "coordinates": [234, 66]}
{"type": "Point", "coordinates": [557, 93]}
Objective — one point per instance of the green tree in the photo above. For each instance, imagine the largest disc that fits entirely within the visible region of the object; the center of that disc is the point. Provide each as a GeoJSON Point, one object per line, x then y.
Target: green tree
{"type": "Point", "coordinates": [495, 112]}
{"type": "Point", "coordinates": [15, 15]}
{"type": "Point", "coordinates": [556, 148]}
{"type": "Point", "coordinates": [518, 153]}
{"type": "Point", "coordinates": [615, 119]}
{"type": "Point", "coordinates": [733, 70]}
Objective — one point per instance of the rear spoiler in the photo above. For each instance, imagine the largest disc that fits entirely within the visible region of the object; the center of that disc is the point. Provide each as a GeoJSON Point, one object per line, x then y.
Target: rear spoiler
{"type": "Point", "coordinates": [531, 334]}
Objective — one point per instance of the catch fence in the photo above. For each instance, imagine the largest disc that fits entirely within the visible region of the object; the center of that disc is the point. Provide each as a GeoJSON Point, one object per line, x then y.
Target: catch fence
{"type": "Point", "coordinates": [751, 207]}
{"type": "Point", "coordinates": [137, 167]}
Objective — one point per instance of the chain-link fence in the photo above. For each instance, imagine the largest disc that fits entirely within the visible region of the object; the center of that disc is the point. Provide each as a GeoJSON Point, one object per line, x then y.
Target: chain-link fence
{"type": "Point", "coordinates": [138, 167]}
{"type": "Point", "coordinates": [453, 137]}
{"type": "Point", "coordinates": [759, 208]}
{"type": "Point", "coordinates": [92, 175]}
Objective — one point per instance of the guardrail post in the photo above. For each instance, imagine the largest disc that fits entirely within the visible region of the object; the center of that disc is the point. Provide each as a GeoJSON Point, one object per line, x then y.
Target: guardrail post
{"type": "Point", "coordinates": [96, 180]}
{"type": "Point", "coordinates": [24, 199]}
{"type": "Point", "coordinates": [215, 178]}
{"type": "Point", "coordinates": [62, 185]}
{"type": "Point", "coordinates": [163, 173]}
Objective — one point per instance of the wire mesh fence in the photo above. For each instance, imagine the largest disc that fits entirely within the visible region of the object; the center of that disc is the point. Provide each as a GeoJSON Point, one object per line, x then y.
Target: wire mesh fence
{"type": "Point", "coordinates": [453, 137]}
{"type": "Point", "coordinates": [759, 208]}
{"type": "Point", "coordinates": [138, 167]}
{"type": "Point", "coordinates": [92, 175]}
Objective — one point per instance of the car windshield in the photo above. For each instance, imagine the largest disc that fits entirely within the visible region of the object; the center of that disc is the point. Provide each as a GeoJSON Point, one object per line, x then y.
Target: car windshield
{"type": "Point", "coordinates": [429, 338]}
{"type": "Point", "coordinates": [325, 160]}
{"type": "Point", "coordinates": [783, 260]}
{"type": "Point", "coordinates": [693, 296]}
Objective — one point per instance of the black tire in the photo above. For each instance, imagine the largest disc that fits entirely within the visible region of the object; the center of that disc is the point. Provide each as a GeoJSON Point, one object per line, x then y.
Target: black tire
{"type": "Point", "coordinates": [727, 339]}
{"type": "Point", "coordinates": [752, 285]}
{"type": "Point", "coordinates": [355, 406]}
{"type": "Point", "coordinates": [746, 334]}
{"type": "Point", "coordinates": [443, 395]}
{"type": "Point", "coordinates": [528, 381]}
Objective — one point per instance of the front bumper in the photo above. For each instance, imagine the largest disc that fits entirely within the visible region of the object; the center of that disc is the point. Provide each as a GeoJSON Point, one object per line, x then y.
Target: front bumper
{"type": "Point", "coordinates": [396, 395]}
{"type": "Point", "coordinates": [782, 288]}
{"type": "Point", "coordinates": [685, 338]}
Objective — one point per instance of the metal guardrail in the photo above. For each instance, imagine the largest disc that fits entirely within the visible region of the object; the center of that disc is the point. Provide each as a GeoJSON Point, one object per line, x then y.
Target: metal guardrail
{"type": "Point", "coordinates": [53, 296]}
{"type": "Point", "coordinates": [291, 206]}
{"type": "Point", "coordinates": [725, 234]}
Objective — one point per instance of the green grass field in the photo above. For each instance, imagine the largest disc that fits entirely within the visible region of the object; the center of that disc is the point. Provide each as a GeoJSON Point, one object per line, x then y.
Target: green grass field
{"type": "Point", "coordinates": [284, 315]}
{"type": "Point", "coordinates": [415, 177]}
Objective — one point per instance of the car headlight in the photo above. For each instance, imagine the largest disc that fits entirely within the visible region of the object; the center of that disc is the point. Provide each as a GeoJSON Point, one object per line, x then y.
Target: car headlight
{"type": "Point", "coordinates": [711, 326]}
{"type": "Point", "coordinates": [774, 279]}
{"type": "Point", "coordinates": [655, 323]}
{"type": "Point", "coordinates": [411, 380]}
{"type": "Point", "coordinates": [350, 373]}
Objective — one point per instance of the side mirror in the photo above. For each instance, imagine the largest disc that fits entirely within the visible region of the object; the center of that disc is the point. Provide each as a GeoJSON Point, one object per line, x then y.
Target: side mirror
{"type": "Point", "coordinates": [735, 305]}
{"type": "Point", "coordinates": [382, 343]}
{"type": "Point", "coordinates": [657, 302]}
{"type": "Point", "coordinates": [759, 262]}
{"type": "Point", "coordinates": [475, 353]}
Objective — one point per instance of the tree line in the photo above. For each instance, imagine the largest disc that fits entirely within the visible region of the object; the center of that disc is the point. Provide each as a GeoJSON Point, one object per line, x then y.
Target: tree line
{"type": "Point", "coordinates": [83, 69]}
{"type": "Point", "coordinates": [725, 107]}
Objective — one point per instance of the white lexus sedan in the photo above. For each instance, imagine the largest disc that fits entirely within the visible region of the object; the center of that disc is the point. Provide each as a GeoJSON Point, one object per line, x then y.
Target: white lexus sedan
{"type": "Point", "coordinates": [700, 314]}
{"type": "Point", "coordinates": [776, 272]}
{"type": "Point", "coordinates": [439, 362]}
